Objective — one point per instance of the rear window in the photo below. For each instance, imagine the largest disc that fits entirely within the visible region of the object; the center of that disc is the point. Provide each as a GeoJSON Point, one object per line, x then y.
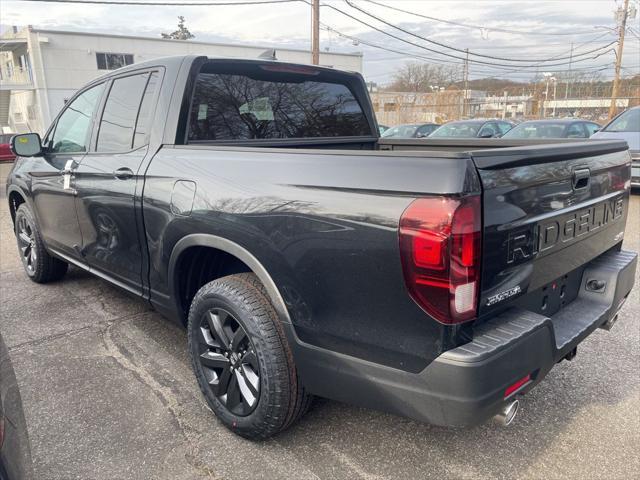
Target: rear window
{"type": "Point", "coordinates": [229, 106]}
{"type": "Point", "coordinates": [464, 130]}
{"type": "Point", "coordinates": [538, 130]}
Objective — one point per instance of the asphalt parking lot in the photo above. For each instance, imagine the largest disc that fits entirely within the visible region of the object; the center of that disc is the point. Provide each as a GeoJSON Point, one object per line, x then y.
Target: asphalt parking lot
{"type": "Point", "coordinates": [109, 394]}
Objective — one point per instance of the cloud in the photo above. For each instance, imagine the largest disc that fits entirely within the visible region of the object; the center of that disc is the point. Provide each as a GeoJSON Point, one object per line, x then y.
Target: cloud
{"type": "Point", "coordinates": [288, 24]}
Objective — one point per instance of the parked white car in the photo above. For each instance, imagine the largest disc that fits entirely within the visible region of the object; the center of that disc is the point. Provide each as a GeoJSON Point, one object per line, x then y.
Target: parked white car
{"type": "Point", "coordinates": [626, 126]}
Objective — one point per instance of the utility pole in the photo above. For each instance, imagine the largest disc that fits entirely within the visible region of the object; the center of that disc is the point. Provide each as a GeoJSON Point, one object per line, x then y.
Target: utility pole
{"type": "Point", "coordinates": [466, 84]}
{"type": "Point", "coordinates": [568, 81]}
{"type": "Point", "coordinates": [504, 106]}
{"type": "Point", "coordinates": [315, 32]}
{"type": "Point", "coordinates": [616, 79]}
{"type": "Point", "coordinates": [547, 76]}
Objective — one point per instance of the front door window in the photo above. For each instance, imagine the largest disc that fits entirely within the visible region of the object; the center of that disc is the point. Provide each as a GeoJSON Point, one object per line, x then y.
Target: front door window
{"type": "Point", "coordinates": [74, 125]}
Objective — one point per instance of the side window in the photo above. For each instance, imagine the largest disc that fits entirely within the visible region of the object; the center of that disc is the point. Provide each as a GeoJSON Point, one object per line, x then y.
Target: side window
{"type": "Point", "coordinates": [118, 121]}
{"type": "Point", "coordinates": [488, 130]}
{"type": "Point", "coordinates": [504, 127]}
{"type": "Point", "coordinates": [575, 130]}
{"type": "Point", "coordinates": [143, 127]}
{"type": "Point", "coordinates": [424, 131]}
{"type": "Point", "coordinates": [591, 128]}
{"type": "Point", "coordinates": [71, 133]}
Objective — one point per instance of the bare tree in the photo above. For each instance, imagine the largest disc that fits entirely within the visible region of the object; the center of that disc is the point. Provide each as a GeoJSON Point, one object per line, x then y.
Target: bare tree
{"type": "Point", "coordinates": [420, 77]}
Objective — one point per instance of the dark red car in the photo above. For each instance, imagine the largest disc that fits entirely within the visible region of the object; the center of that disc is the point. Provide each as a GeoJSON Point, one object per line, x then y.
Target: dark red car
{"type": "Point", "coordinates": [5, 151]}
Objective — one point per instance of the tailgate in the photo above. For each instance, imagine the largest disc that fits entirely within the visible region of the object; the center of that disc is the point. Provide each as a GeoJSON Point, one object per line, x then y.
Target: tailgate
{"type": "Point", "coordinates": [547, 211]}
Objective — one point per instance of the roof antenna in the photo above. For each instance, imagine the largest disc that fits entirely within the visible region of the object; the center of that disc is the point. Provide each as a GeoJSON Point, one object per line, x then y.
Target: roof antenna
{"type": "Point", "coordinates": [268, 54]}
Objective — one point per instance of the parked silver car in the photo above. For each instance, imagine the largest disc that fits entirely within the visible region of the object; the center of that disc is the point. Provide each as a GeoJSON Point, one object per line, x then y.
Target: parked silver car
{"type": "Point", "coordinates": [626, 126]}
{"type": "Point", "coordinates": [559, 128]}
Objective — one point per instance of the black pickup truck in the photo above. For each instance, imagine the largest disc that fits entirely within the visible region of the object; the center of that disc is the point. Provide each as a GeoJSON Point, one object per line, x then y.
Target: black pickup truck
{"type": "Point", "coordinates": [254, 202]}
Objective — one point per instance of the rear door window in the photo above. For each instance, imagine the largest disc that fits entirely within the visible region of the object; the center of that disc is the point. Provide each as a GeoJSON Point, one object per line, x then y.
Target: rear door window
{"type": "Point", "coordinates": [239, 107]}
{"type": "Point", "coordinates": [126, 113]}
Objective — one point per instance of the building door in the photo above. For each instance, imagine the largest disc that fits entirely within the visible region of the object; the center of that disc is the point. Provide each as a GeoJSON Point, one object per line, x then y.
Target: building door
{"type": "Point", "coordinates": [109, 180]}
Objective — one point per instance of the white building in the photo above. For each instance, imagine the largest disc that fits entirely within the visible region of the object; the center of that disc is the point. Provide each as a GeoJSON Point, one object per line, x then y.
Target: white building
{"type": "Point", "coordinates": [41, 69]}
{"type": "Point", "coordinates": [507, 106]}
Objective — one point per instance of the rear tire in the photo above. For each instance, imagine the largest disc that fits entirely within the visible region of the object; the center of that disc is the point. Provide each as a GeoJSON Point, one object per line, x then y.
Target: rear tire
{"type": "Point", "coordinates": [38, 264]}
{"type": "Point", "coordinates": [241, 358]}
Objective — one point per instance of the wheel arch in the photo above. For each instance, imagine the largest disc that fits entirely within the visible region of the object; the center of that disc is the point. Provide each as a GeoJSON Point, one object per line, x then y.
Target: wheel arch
{"type": "Point", "coordinates": [16, 197]}
{"type": "Point", "coordinates": [231, 248]}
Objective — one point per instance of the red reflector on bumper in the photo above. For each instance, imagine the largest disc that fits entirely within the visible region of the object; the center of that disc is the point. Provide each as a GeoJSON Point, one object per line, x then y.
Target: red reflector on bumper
{"type": "Point", "coordinates": [516, 386]}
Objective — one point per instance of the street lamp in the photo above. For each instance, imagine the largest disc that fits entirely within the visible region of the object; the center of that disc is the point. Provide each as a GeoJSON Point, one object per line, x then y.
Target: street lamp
{"type": "Point", "coordinates": [548, 77]}
{"type": "Point", "coordinates": [555, 89]}
{"type": "Point", "coordinates": [436, 89]}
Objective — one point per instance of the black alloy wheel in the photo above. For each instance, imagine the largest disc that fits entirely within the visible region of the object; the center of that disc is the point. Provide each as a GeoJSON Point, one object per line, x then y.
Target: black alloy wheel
{"type": "Point", "coordinates": [229, 362]}
{"type": "Point", "coordinates": [38, 264]}
{"type": "Point", "coordinates": [241, 358]}
{"type": "Point", "coordinates": [27, 245]}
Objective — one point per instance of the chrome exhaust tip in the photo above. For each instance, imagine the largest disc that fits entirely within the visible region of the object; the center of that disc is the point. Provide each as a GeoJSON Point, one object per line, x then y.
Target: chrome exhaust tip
{"type": "Point", "coordinates": [507, 414]}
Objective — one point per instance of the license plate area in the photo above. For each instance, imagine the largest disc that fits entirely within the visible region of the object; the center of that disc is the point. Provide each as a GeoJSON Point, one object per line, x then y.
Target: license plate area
{"type": "Point", "coordinates": [553, 296]}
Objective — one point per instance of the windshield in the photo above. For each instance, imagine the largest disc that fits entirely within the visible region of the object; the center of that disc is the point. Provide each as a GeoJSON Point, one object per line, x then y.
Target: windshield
{"type": "Point", "coordinates": [629, 121]}
{"type": "Point", "coordinates": [457, 130]}
{"type": "Point", "coordinates": [403, 131]}
{"type": "Point", "coordinates": [537, 130]}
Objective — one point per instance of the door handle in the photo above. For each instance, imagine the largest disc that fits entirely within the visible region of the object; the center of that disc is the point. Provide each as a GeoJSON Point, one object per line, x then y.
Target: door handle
{"type": "Point", "coordinates": [69, 167]}
{"type": "Point", "coordinates": [123, 173]}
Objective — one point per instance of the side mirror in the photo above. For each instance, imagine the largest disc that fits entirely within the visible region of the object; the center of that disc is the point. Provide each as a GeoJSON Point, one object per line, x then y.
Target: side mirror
{"type": "Point", "coordinates": [420, 135]}
{"type": "Point", "coordinates": [485, 135]}
{"type": "Point", "coordinates": [26, 145]}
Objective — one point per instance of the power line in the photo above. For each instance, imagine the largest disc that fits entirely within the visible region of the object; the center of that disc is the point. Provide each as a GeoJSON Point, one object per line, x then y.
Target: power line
{"type": "Point", "coordinates": [478, 27]}
{"type": "Point", "coordinates": [443, 45]}
{"type": "Point", "coordinates": [439, 61]}
{"type": "Point", "coordinates": [165, 4]}
{"type": "Point", "coordinates": [373, 27]}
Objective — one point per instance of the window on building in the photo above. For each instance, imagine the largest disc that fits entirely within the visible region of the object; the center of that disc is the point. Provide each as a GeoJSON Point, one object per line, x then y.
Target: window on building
{"type": "Point", "coordinates": [74, 124]}
{"type": "Point", "coordinates": [129, 100]}
{"type": "Point", "coordinates": [112, 61]}
{"type": "Point", "coordinates": [389, 107]}
{"type": "Point", "coordinates": [31, 112]}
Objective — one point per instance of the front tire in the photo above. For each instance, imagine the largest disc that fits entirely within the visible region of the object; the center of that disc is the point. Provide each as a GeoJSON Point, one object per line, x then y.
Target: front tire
{"type": "Point", "coordinates": [241, 358]}
{"type": "Point", "coordinates": [38, 264]}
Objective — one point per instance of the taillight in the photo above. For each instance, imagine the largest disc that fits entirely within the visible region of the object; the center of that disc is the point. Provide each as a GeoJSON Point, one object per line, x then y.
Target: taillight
{"type": "Point", "coordinates": [440, 241]}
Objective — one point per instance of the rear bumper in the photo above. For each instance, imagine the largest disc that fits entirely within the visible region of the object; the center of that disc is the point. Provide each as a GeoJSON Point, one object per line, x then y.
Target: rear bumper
{"type": "Point", "coordinates": [466, 385]}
